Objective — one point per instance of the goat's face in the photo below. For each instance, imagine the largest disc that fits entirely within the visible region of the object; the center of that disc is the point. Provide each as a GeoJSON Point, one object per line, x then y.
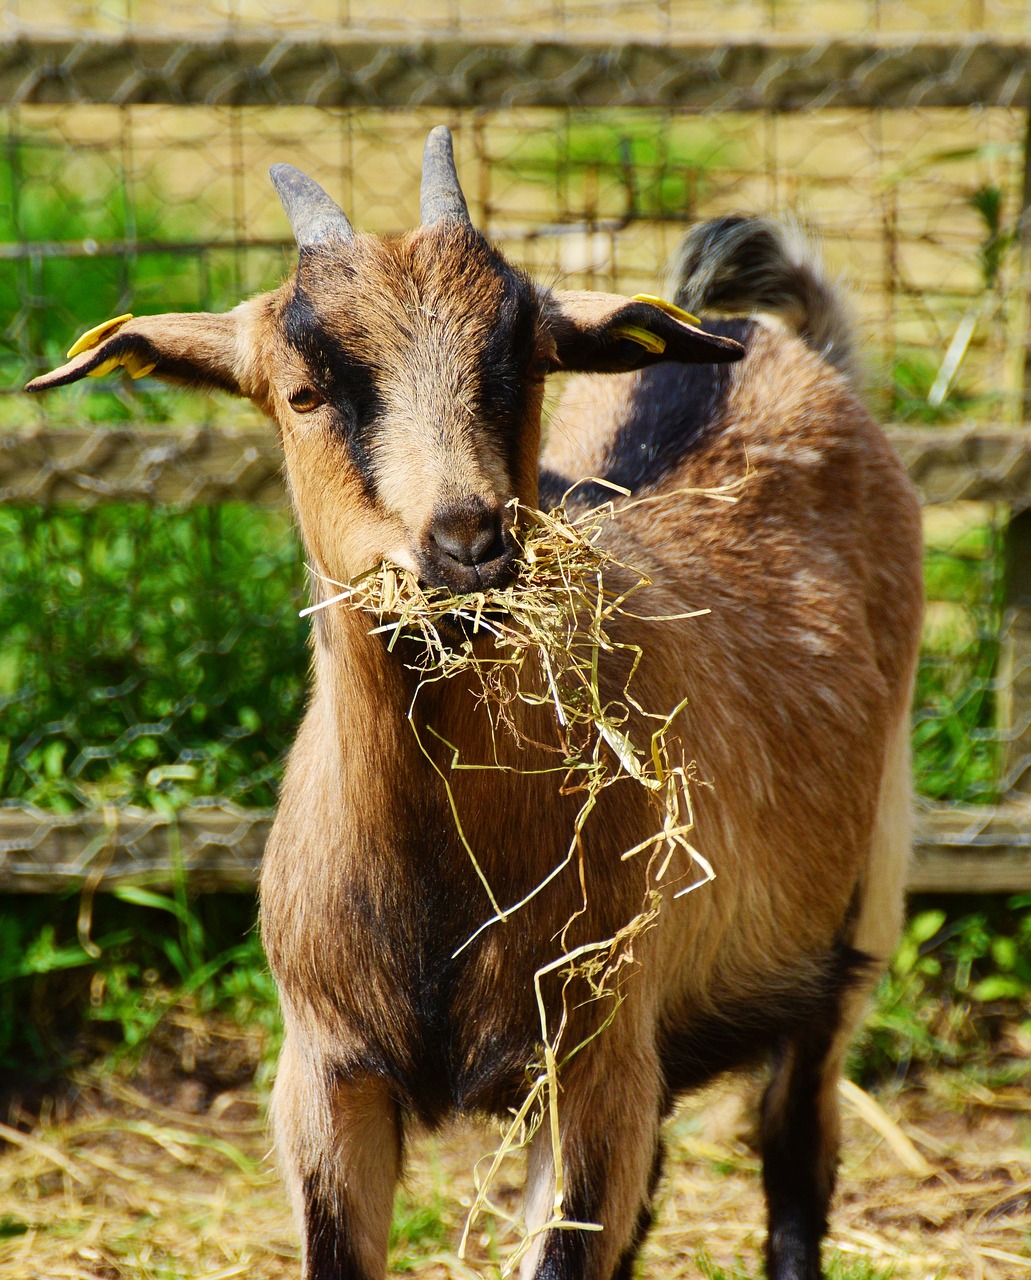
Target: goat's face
{"type": "Point", "coordinates": [406, 376]}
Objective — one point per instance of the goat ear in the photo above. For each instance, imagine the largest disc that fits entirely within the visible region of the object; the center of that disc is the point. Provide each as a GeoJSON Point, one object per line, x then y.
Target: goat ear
{"type": "Point", "coordinates": [195, 349]}
{"type": "Point", "coordinates": [606, 333]}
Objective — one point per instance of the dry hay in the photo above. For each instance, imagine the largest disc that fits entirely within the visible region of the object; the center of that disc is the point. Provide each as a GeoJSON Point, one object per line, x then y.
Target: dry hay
{"type": "Point", "coordinates": [130, 1187]}
{"type": "Point", "coordinates": [156, 1174]}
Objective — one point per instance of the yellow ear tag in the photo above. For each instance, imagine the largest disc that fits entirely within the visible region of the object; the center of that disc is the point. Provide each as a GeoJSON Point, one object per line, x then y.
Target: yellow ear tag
{"type": "Point", "coordinates": [136, 366]}
{"type": "Point", "coordinates": [133, 364]}
{"type": "Point", "coordinates": [92, 337]}
{"type": "Point", "coordinates": [650, 341]}
{"type": "Point", "coordinates": [668, 307]}
{"type": "Point", "coordinates": [129, 360]}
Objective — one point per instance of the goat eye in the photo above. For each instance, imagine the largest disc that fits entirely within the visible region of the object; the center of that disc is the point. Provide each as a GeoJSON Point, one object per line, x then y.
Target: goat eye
{"type": "Point", "coordinates": [305, 399]}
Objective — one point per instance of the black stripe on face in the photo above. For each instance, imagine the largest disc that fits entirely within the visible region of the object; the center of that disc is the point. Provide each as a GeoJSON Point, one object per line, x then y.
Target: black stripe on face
{"type": "Point", "coordinates": [505, 359]}
{"type": "Point", "coordinates": [348, 384]}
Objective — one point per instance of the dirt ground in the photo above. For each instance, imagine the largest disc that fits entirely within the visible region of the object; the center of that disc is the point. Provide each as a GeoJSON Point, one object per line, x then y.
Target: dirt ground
{"type": "Point", "coordinates": [163, 1172]}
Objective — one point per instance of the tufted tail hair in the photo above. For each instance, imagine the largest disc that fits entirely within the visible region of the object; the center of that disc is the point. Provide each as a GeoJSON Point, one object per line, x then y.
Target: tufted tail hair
{"type": "Point", "coordinates": [741, 265]}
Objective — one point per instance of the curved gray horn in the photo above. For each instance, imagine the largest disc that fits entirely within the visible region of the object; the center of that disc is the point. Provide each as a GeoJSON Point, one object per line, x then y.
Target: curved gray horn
{"type": "Point", "coordinates": [314, 217]}
{"type": "Point", "coordinates": [441, 198]}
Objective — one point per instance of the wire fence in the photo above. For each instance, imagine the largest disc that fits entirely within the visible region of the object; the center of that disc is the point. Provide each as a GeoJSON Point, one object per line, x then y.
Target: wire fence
{"type": "Point", "coordinates": [151, 658]}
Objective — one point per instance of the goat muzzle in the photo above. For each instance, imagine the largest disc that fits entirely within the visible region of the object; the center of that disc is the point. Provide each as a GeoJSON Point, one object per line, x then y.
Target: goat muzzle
{"type": "Point", "coordinates": [468, 547]}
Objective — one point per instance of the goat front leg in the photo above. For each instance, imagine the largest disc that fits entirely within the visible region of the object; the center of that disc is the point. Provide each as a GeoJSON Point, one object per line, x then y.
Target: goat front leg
{"type": "Point", "coordinates": [609, 1115]}
{"type": "Point", "coordinates": [338, 1138]}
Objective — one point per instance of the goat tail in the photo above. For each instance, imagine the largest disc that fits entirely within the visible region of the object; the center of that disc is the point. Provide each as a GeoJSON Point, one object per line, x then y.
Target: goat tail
{"type": "Point", "coordinates": [740, 265]}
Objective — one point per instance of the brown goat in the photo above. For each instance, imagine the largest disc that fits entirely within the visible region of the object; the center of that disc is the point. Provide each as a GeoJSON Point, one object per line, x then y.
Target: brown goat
{"type": "Point", "coordinates": [406, 378]}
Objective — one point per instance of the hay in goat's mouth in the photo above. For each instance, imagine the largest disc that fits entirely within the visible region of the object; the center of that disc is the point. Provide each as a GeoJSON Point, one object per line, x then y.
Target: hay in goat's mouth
{"type": "Point", "coordinates": [552, 622]}
{"type": "Point", "coordinates": [551, 631]}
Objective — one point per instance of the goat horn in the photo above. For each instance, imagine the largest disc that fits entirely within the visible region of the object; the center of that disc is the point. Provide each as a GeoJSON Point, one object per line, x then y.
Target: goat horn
{"type": "Point", "coordinates": [314, 218]}
{"type": "Point", "coordinates": [441, 198]}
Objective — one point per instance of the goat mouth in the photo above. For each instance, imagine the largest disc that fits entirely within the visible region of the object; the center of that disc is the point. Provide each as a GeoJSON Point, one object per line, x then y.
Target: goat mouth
{"type": "Point", "coordinates": [423, 649]}
{"type": "Point", "coordinates": [470, 618]}
{"type": "Point", "coordinates": [440, 572]}
{"type": "Point", "coordinates": [466, 617]}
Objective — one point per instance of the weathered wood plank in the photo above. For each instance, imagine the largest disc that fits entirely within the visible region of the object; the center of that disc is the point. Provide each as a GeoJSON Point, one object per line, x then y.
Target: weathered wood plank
{"type": "Point", "coordinates": [194, 466]}
{"type": "Point", "coordinates": [338, 69]}
{"type": "Point", "coordinates": [972, 849]}
{"type": "Point", "coordinates": [967, 463]}
{"type": "Point", "coordinates": [220, 847]}
{"type": "Point", "coordinates": [214, 846]}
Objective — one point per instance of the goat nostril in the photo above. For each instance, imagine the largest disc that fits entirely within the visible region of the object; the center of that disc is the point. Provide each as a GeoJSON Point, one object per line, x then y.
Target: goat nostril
{"type": "Point", "coordinates": [471, 535]}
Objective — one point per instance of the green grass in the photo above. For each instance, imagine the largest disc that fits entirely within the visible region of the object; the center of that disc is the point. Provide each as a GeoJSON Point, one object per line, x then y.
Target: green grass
{"type": "Point", "coordinates": [956, 746]}
{"type": "Point", "coordinates": [837, 1267]}
{"type": "Point", "coordinates": [75, 987]}
{"type": "Point", "coordinates": [419, 1228]}
{"type": "Point", "coordinates": [958, 986]}
{"type": "Point", "coordinates": [910, 385]}
{"type": "Point", "coordinates": [51, 195]}
{"type": "Point", "coordinates": [622, 164]}
{"type": "Point", "coordinates": [148, 657]}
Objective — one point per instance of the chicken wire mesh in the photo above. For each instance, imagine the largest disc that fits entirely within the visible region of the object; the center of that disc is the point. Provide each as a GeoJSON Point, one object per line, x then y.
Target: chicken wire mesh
{"type": "Point", "coordinates": [150, 649]}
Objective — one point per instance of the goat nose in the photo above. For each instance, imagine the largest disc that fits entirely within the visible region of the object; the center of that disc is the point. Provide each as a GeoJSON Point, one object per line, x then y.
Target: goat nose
{"type": "Point", "coordinates": [469, 532]}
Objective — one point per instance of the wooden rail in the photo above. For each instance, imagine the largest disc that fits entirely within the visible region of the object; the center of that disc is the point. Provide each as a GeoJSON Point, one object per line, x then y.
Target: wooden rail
{"type": "Point", "coordinates": [970, 850]}
{"type": "Point", "coordinates": [334, 69]}
{"type": "Point", "coordinates": [195, 466]}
